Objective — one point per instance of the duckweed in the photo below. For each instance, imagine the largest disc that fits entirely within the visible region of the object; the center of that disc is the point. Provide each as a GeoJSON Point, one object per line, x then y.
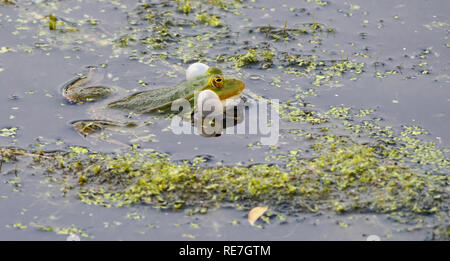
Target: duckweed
{"type": "Point", "coordinates": [209, 19]}
{"type": "Point", "coordinates": [52, 20]}
{"type": "Point", "coordinates": [343, 176]}
{"type": "Point", "coordinates": [184, 6]}
{"type": "Point", "coordinates": [8, 132]}
{"type": "Point", "coordinates": [244, 60]}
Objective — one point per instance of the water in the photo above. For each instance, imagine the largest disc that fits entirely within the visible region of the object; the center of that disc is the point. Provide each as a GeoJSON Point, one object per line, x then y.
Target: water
{"type": "Point", "coordinates": [408, 37]}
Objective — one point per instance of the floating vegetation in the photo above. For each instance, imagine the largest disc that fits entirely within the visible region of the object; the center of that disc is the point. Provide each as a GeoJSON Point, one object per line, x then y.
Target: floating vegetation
{"type": "Point", "coordinates": [61, 23]}
{"type": "Point", "coordinates": [184, 6]}
{"type": "Point", "coordinates": [291, 33]}
{"type": "Point", "coordinates": [322, 71]}
{"type": "Point", "coordinates": [52, 22]}
{"type": "Point", "coordinates": [318, 2]}
{"type": "Point", "coordinates": [209, 19]}
{"type": "Point", "coordinates": [72, 230]}
{"type": "Point", "coordinates": [343, 176]}
{"type": "Point", "coordinates": [8, 132]}
{"type": "Point", "coordinates": [246, 59]}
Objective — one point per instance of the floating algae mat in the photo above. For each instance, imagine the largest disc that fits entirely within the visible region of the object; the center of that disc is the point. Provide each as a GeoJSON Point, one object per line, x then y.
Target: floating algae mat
{"type": "Point", "coordinates": [363, 120]}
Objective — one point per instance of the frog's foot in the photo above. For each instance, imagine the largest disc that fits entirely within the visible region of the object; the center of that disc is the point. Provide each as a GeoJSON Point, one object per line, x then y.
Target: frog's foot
{"type": "Point", "coordinates": [87, 127]}
{"type": "Point", "coordinates": [88, 94]}
{"type": "Point", "coordinates": [82, 89]}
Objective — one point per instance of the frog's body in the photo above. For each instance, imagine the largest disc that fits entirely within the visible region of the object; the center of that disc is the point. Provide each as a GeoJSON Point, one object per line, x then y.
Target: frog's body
{"type": "Point", "coordinates": [225, 87]}
{"type": "Point", "coordinates": [162, 98]}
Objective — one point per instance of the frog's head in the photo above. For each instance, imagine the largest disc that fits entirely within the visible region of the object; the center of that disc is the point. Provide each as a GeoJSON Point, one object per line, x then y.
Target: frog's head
{"type": "Point", "coordinates": [214, 71]}
{"type": "Point", "coordinates": [224, 87]}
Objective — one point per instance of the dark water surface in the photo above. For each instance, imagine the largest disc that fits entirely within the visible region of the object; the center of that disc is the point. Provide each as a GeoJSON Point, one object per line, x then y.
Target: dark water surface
{"type": "Point", "coordinates": [404, 45]}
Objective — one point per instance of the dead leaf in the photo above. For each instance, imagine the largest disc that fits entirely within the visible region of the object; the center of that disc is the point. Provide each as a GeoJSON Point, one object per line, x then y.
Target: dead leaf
{"type": "Point", "coordinates": [256, 213]}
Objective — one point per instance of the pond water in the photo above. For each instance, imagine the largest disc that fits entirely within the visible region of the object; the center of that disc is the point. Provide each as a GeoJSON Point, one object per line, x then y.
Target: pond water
{"type": "Point", "coordinates": [388, 59]}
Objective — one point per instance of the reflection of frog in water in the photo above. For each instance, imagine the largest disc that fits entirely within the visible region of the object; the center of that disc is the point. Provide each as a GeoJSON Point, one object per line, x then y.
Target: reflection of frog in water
{"type": "Point", "coordinates": [212, 86]}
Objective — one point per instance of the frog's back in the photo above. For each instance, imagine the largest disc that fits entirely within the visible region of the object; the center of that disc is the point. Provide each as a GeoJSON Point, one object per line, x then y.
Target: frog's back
{"type": "Point", "coordinates": [152, 100]}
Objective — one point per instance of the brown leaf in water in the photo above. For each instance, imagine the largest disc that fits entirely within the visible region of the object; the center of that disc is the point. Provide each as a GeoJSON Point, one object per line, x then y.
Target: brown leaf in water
{"type": "Point", "coordinates": [256, 213]}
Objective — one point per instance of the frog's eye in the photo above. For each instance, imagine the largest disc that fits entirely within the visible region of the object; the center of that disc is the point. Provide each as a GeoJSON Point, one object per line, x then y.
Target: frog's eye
{"type": "Point", "coordinates": [218, 81]}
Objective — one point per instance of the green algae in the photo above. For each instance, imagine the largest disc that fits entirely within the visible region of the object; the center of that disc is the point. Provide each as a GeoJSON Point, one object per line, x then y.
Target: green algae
{"type": "Point", "coordinates": [323, 72]}
{"type": "Point", "coordinates": [184, 6]}
{"type": "Point", "coordinates": [298, 111]}
{"type": "Point", "coordinates": [343, 177]}
{"type": "Point", "coordinates": [209, 19]}
{"type": "Point", "coordinates": [264, 57]}
{"type": "Point", "coordinates": [8, 132]}
{"type": "Point", "coordinates": [52, 20]}
{"type": "Point", "coordinates": [406, 145]}
{"type": "Point", "coordinates": [244, 60]}
{"type": "Point", "coordinates": [20, 226]}
{"type": "Point", "coordinates": [318, 2]}
{"type": "Point", "coordinates": [60, 24]}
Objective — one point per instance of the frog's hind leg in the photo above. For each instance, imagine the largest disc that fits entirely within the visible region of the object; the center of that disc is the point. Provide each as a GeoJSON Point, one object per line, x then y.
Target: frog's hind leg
{"type": "Point", "coordinates": [92, 128]}
{"type": "Point", "coordinates": [82, 89]}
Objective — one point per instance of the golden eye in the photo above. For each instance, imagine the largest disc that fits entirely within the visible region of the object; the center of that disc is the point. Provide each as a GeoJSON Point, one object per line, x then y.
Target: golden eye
{"type": "Point", "coordinates": [218, 81]}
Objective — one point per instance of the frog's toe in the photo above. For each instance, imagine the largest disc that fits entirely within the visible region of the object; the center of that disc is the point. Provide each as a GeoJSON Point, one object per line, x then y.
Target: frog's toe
{"type": "Point", "coordinates": [89, 94]}
{"type": "Point", "coordinates": [95, 93]}
{"type": "Point", "coordinates": [87, 127]}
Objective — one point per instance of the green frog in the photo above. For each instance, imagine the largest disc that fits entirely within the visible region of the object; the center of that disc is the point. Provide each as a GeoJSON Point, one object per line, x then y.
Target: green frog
{"type": "Point", "coordinates": [202, 82]}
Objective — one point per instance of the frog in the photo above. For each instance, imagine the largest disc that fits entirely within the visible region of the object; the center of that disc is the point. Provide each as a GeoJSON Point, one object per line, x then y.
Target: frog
{"type": "Point", "coordinates": [203, 83]}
